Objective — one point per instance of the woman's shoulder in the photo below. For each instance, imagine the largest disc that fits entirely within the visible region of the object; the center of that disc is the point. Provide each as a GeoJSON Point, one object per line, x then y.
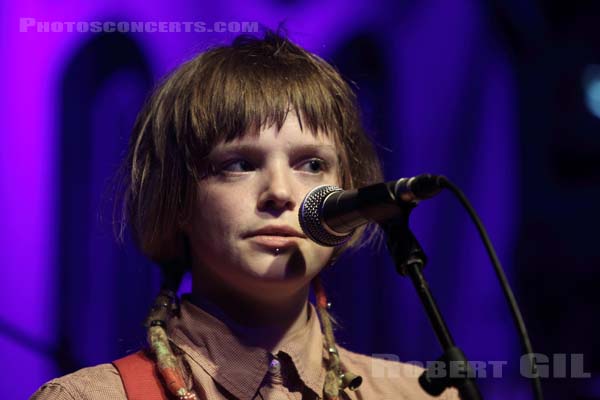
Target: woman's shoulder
{"type": "Point", "coordinates": [385, 377]}
{"type": "Point", "coordinates": [99, 382]}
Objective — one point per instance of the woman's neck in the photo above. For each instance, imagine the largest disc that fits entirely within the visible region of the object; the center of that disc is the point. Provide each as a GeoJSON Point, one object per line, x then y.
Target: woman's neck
{"type": "Point", "coordinates": [258, 321]}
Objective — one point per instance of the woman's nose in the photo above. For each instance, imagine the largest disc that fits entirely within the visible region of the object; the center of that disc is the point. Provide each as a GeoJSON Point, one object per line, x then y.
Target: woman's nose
{"type": "Point", "coordinates": [277, 193]}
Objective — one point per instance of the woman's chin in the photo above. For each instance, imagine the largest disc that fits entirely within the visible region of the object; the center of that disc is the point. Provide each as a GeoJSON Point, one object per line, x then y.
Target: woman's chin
{"type": "Point", "coordinates": [276, 268]}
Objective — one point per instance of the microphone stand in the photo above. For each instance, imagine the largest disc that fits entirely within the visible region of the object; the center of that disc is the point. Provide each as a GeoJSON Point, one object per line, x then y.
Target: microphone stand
{"type": "Point", "coordinates": [410, 259]}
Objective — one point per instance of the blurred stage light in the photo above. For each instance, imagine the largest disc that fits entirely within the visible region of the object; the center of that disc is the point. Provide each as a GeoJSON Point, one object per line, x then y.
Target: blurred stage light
{"type": "Point", "coordinates": [591, 88]}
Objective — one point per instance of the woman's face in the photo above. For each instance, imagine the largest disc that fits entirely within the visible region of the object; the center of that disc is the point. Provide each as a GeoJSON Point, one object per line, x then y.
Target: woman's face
{"type": "Point", "coordinates": [244, 230]}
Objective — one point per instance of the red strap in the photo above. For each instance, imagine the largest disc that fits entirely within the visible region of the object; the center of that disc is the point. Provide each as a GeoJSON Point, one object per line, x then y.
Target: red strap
{"type": "Point", "coordinates": [140, 377]}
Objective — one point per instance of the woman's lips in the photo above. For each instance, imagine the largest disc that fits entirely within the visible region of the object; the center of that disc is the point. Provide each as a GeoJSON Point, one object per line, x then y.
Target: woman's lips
{"type": "Point", "coordinates": [274, 241]}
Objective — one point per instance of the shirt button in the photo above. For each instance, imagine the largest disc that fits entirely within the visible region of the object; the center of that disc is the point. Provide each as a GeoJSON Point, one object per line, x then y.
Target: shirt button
{"type": "Point", "coordinates": [275, 367]}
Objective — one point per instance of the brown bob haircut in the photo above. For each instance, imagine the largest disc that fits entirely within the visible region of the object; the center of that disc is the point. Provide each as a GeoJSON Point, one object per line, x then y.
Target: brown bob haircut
{"type": "Point", "coordinates": [219, 95]}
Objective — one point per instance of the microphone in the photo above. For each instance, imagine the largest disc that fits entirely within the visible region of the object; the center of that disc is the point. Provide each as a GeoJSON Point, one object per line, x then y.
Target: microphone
{"type": "Point", "coordinates": [329, 215]}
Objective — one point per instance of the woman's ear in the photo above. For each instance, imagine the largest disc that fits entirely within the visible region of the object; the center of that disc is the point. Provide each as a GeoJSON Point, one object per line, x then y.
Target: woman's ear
{"type": "Point", "coordinates": [183, 223]}
{"type": "Point", "coordinates": [185, 228]}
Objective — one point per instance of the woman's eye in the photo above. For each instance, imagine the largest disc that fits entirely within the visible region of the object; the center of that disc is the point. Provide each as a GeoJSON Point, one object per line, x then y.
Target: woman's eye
{"type": "Point", "coordinates": [314, 165]}
{"type": "Point", "coordinates": [238, 166]}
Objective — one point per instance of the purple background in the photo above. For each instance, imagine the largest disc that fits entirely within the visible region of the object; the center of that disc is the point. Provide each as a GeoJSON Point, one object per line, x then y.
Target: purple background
{"type": "Point", "coordinates": [487, 93]}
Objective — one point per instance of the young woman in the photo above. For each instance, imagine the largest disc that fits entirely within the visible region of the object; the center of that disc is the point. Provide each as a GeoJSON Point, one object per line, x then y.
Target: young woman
{"type": "Point", "coordinates": [219, 160]}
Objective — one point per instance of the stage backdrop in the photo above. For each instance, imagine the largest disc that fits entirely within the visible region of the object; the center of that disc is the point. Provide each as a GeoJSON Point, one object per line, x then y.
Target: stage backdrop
{"type": "Point", "coordinates": [439, 83]}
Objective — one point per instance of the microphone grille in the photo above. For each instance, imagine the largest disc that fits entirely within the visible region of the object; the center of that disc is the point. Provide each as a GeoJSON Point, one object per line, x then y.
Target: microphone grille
{"type": "Point", "coordinates": [310, 217]}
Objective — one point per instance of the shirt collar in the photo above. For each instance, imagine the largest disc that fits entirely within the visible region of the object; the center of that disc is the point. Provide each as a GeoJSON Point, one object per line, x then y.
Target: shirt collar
{"type": "Point", "coordinates": [238, 366]}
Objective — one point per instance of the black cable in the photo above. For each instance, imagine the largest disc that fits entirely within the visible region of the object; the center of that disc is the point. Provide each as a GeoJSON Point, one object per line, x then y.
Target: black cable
{"type": "Point", "coordinates": [514, 307]}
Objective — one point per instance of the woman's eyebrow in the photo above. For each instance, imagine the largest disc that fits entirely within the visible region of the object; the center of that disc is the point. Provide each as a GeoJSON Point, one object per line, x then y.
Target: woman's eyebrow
{"type": "Point", "coordinates": [295, 149]}
{"type": "Point", "coordinates": [236, 147]}
{"type": "Point", "coordinates": [314, 148]}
